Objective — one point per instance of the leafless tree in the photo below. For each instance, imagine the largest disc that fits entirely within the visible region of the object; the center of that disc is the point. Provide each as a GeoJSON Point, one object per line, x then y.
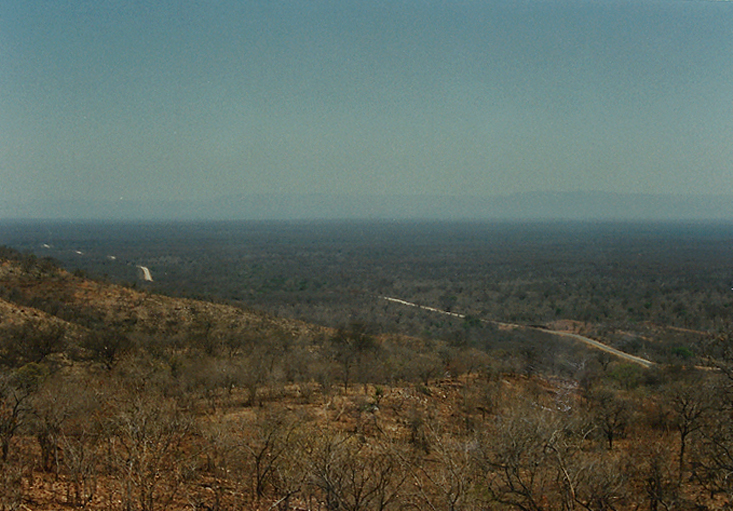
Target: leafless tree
{"type": "Point", "coordinates": [266, 446]}
{"type": "Point", "coordinates": [518, 459]}
{"type": "Point", "coordinates": [147, 447]}
{"type": "Point", "coordinates": [689, 405]}
{"type": "Point", "coordinates": [16, 388]}
{"type": "Point", "coordinates": [353, 474]}
{"type": "Point", "coordinates": [611, 414]}
{"type": "Point", "coordinates": [446, 479]}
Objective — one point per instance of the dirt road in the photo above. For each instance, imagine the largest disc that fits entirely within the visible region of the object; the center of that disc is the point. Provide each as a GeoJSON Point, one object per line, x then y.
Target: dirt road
{"type": "Point", "coordinates": [586, 340]}
{"type": "Point", "coordinates": [147, 277]}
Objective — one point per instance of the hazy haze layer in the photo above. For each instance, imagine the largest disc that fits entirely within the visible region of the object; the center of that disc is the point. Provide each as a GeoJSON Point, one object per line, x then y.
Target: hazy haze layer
{"type": "Point", "coordinates": [153, 103]}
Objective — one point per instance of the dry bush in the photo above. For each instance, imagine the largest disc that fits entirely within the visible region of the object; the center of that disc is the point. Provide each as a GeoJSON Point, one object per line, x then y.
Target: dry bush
{"type": "Point", "coordinates": [352, 473]}
{"type": "Point", "coordinates": [147, 449]}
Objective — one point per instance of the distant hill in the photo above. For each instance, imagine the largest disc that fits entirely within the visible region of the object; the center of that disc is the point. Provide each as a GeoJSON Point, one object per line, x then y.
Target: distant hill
{"type": "Point", "coordinates": [520, 206]}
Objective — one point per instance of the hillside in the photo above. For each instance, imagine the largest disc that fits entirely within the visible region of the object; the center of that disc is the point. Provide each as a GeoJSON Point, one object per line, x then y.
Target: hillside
{"type": "Point", "coordinates": [117, 398]}
{"type": "Point", "coordinates": [86, 303]}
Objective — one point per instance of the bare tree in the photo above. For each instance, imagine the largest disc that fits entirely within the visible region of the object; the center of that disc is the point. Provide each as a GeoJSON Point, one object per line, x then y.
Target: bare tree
{"type": "Point", "coordinates": [81, 459]}
{"type": "Point", "coordinates": [611, 414]}
{"type": "Point", "coordinates": [147, 446]}
{"type": "Point", "coordinates": [270, 440]}
{"type": "Point", "coordinates": [447, 479]}
{"type": "Point", "coordinates": [712, 464]}
{"type": "Point", "coordinates": [50, 407]}
{"type": "Point", "coordinates": [16, 388]}
{"type": "Point", "coordinates": [518, 459]}
{"type": "Point", "coordinates": [591, 481]}
{"type": "Point", "coordinates": [653, 466]}
{"type": "Point", "coordinates": [353, 474]}
{"type": "Point", "coordinates": [689, 406]}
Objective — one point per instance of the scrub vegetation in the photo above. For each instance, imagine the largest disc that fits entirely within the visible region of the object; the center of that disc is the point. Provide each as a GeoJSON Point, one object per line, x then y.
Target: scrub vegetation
{"type": "Point", "coordinates": [326, 396]}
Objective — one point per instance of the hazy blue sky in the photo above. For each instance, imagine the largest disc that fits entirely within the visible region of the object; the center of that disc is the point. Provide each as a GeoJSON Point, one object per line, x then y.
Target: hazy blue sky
{"type": "Point", "coordinates": [180, 99]}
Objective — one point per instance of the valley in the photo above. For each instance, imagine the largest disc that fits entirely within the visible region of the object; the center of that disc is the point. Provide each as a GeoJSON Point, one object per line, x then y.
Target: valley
{"type": "Point", "coordinates": [359, 366]}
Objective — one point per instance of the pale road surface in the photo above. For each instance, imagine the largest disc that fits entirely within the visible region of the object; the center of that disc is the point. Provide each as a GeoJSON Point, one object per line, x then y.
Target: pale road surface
{"type": "Point", "coordinates": [587, 340]}
{"type": "Point", "coordinates": [147, 277]}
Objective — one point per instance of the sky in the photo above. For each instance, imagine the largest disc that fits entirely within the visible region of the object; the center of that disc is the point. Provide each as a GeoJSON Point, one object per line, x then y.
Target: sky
{"type": "Point", "coordinates": [181, 100]}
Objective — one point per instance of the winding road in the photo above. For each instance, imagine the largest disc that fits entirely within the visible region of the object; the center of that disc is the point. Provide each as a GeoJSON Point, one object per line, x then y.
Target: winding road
{"type": "Point", "coordinates": [147, 277]}
{"type": "Point", "coordinates": [569, 335]}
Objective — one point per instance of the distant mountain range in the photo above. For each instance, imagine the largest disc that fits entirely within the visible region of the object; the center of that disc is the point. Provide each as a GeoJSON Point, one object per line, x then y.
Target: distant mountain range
{"type": "Point", "coordinates": [518, 206]}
